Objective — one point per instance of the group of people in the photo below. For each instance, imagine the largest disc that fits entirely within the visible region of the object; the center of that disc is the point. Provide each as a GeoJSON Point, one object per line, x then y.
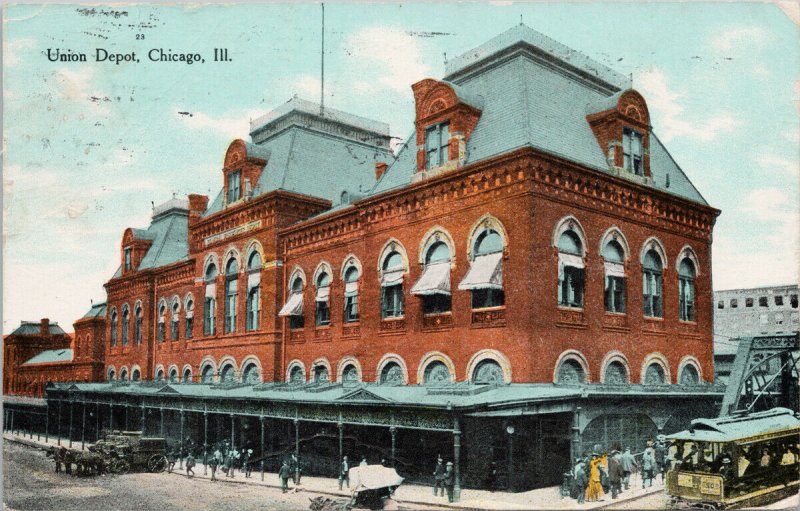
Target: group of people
{"type": "Point", "coordinates": [594, 476]}
{"type": "Point", "coordinates": [444, 478]}
{"type": "Point", "coordinates": [290, 469]}
{"type": "Point", "coordinates": [229, 459]}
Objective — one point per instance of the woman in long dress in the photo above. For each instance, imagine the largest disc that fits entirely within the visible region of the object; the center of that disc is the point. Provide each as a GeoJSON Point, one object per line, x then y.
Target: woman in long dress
{"type": "Point", "coordinates": [595, 490]}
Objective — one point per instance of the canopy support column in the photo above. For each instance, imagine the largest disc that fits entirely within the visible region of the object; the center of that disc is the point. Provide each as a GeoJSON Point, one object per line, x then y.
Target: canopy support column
{"type": "Point", "coordinates": [262, 447]}
{"type": "Point", "coordinates": [71, 403]}
{"type": "Point", "coordinates": [58, 422]}
{"type": "Point", "coordinates": [47, 422]}
{"type": "Point", "coordinates": [297, 449]}
{"type": "Point", "coordinates": [205, 443]}
{"type": "Point", "coordinates": [83, 425]}
{"type": "Point", "coordinates": [180, 453]}
{"type": "Point", "coordinates": [456, 460]}
{"type": "Point", "coordinates": [393, 431]}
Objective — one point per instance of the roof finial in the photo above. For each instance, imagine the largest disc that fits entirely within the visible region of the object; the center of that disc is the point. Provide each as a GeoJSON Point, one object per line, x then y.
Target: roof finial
{"type": "Point", "coordinates": [520, 20]}
{"type": "Point", "coordinates": [445, 57]}
{"type": "Point", "coordinates": [630, 76]}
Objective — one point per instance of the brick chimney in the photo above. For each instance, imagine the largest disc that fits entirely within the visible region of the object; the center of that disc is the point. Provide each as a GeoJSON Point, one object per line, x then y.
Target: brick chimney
{"type": "Point", "coordinates": [44, 326]}
{"type": "Point", "coordinates": [198, 204]}
{"type": "Point", "coordinates": [380, 168]}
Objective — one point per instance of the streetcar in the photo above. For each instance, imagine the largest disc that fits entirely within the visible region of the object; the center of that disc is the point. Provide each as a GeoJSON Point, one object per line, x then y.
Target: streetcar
{"type": "Point", "coordinates": [736, 461]}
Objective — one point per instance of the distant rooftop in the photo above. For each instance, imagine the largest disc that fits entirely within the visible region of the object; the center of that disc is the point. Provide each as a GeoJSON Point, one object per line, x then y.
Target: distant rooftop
{"type": "Point", "coordinates": [33, 328]}
{"type": "Point", "coordinates": [50, 356]}
{"type": "Point", "coordinates": [742, 290]}
{"type": "Point", "coordinates": [309, 107]}
{"type": "Point", "coordinates": [174, 203]}
{"type": "Point", "coordinates": [98, 310]}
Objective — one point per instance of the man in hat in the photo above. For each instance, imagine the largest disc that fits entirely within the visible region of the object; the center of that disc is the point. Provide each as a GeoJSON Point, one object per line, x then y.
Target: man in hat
{"type": "Point", "coordinates": [246, 461]}
{"type": "Point", "coordinates": [438, 476]}
{"type": "Point", "coordinates": [344, 473]}
{"type": "Point", "coordinates": [214, 463]}
{"type": "Point", "coordinates": [628, 463]}
{"type": "Point", "coordinates": [580, 481]}
{"type": "Point", "coordinates": [648, 467]}
{"type": "Point", "coordinates": [661, 455]}
{"type": "Point", "coordinates": [284, 474]}
{"type": "Point", "coordinates": [615, 473]}
{"type": "Point", "coordinates": [449, 480]}
{"type": "Point", "coordinates": [190, 465]}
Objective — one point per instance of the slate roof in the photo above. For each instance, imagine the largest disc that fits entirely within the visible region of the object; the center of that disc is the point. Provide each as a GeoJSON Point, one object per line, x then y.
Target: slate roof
{"type": "Point", "coordinates": [309, 161]}
{"type": "Point", "coordinates": [32, 328]}
{"type": "Point", "coordinates": [526, 104]}
{"type": "Point", "coordinates": [98, 310]}
{"type": "Point", "coordinates": [50, 356]}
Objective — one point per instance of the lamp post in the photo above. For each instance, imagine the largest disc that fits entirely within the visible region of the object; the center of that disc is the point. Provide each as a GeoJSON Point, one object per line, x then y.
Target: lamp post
{"type": "Point", "coordinates": [510, 432]}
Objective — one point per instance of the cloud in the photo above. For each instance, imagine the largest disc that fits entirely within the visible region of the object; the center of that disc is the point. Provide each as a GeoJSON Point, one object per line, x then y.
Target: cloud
{"type": "Point", "coordinates": [771, 162]}
{"type": "Point", "coordinates": [233, 126]}
{"type": "Point", "coordinates": [777, 208]}
{"type": "Point", "coordinates": [791, 9]}
{"type": "Point", "coordinates": [76, 84]}
{"type": "Point", "coordinates": [665, 102]}
{"type": "Point", "coordinates": [307, 86]}
{"type": "Point", "coordinates": [745, 36]}
{"type": "Point", "coordinates": [392, 52]}
{"type": "Point", "coordinates": [13, 49]}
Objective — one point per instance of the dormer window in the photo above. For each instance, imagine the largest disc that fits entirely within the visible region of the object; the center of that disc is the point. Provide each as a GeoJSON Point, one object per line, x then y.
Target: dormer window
{"type": "Point", "coordinates": [437, 140]}
{"type": "Point", "coordinates": [127, 263]}
{"type": "Point", "coordinates": [234, 186]}
{"type": "Point", "coordinates": [632, 150]}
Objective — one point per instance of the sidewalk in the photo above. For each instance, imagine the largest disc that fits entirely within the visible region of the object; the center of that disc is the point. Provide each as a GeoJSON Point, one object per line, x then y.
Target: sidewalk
{"type": "Point", "coordinates": [542, 498]}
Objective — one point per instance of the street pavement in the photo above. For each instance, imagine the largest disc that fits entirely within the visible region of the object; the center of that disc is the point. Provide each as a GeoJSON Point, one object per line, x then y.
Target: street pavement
{"type": "Point", "coordinates": [229, 490]}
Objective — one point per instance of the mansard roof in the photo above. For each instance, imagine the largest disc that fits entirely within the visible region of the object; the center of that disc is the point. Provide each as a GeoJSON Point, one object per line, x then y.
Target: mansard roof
{"type": "Point", "coordinates": [33, 328]}
{"type": "Point", "coordinates": [536, 93]}
{"type": "Point", "coordinates": [98, 310]}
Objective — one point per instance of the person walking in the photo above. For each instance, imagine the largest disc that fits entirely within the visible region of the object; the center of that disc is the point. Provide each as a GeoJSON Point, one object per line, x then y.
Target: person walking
{"type": "Point", "coordinates": [438, 476]}
{"type": "Point", "coordinates": [344, 473]}
{"type": "Point", "coordinates": [628, 463]}
{"type": "Point", "coordinates": [615, 473]}
{"type": "Point", "coordinates": [594, 490]}
{"type": "Point", "coordinates": [190, 465]}
{"type": "Point", "coordinates": [449, 480]}
{"type": "Point", "coordinates": [580, 481]}
{"type": "Point", "coordinates": [284, 474]}
{"type": "Point", "coordinates": [661, 455]}
{"type": "Point", "coordinates": [171, 460]}
{"type": "Point", "coordinates": [491, 477]}
{"type": "Point", "coordinates": [246, 461]}
{"type": "Point", "coordinates": [297, 470]}
{"type": "Point", "coordinates": [648, 467]}
{"type": "Point", "coordinates": [213, 463]}
{"type": "Point", "coordinates": [363, 461]}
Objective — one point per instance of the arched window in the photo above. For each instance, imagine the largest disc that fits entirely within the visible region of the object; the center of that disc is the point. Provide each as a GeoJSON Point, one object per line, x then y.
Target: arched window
{"type": "Point", "coordinates": [654, 375]}
{"type": "Point", "coordinates": [570, 270]}
{"type": "Point", "coordinates": [686, 274]}
{"type": "Point", "coordinates": [162, 313]}
{"type": "Point", "coordinates": [434, 284]}
{"type": "Point", "coordinates": [210, 304]}
{"type": "Point", "coordinates": [123, 374]}
{"type": "Point", "coordinates": [392, 374]}
{"type": "Point", "coordinates": [571, 372]}
{"type": "Point", "coordinates": [297, 375]}
{"type": "Point", "coordinates": [207, 374]}
{"type": "Point", "coordinates": [437, 373]}
{"type": "Point", "coordinates": [393, 268]}
{"type": "Point", "coordinates": [187, 375]}
{"type": "Point", "coordinates": [231, 291]}
{"type": "Point", "coordinates": [137, 328]}
{"type": "Point", "coordinates": [350, 373]}
{"type": "Point", "coordinates": [251, 373]}
{"type": "Point", "coordinates": [488, 371]}
{"type": "Point", "coordinates": [485, 275]}
{"type": "Point", "coordinates": [651, 284]}
{"type": "Point", "coordinates": [323, 311]}
{"type": "Point", "coordinates": [321, 374]}
{"type": "Point", "coordinates": [616, 373]}
{"type": "Point", "coordinates": [175, 319]}
{"type": "Point", "coordinates": [614, 258]}
{"type": "Point", "coordinates": [114, 325]}
{"type": "Point", "coordinates": [351, 276]}
{"type": "Point", "coordinates": [689, 375]}
{"type": "Point", "coordinates": [160, 374]}
{"type": "Point", "coordinates": [112, 375]}
{"type": "Point", "coordinates": [293, 308]}
{"type": "Point", "coordinates": [126, 321]}
{"type": "Point", "coordinates": [189, 318]}
{"type": "Point", "coordinates": [227, 374]}
{"type": "Point", "coordinates": [253, 291]}
{"type": "Point", "coordinates": [136, 375]}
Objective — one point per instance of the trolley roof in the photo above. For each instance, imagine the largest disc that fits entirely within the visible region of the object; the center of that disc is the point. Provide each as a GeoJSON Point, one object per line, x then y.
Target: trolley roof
{"type": "Point", "coordinates": [741, 428]}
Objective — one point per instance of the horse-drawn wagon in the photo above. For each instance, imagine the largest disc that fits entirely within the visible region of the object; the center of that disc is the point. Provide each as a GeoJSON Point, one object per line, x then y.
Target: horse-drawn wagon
{"type": "Point", "coordinates": [116, 453]}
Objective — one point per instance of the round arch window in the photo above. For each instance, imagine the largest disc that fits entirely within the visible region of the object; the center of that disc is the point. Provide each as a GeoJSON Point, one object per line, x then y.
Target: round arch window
{"type": "Point", "coordinates": [297, 375]}
{"type": "Point", "coordinates": [689, 375]}
{"type": "Point", "coordinates": [616, 374]}
{"type": "Point", "coordinates": [250, 374]}
{"type": "Point", "coordinates": [570, 372]}
{"type": "Point", "coordinates": [488, 371]}
{"type": "Point", "coordinates": [436, 373]}
{"type": "Point", "coordinates": [207, 375]}
{"type": "Point", "coordinates": [227, 374]}
{"type": "Point", "coordinates": [654, 375]}
{"type": "Point", "coordinates": [350, 373]}
{"type": "Point", "coordinates": [392, 374]}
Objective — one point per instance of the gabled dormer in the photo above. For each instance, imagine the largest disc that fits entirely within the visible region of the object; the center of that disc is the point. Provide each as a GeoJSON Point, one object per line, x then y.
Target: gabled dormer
{"type": "Point", "coordinates": [621, 124]}
{"type": "Point", "coordinates": [135, 244]}
{"type": "Point", "coordinates": [445, 120]}
{"type": "Point", "coordinates": [241, 171]}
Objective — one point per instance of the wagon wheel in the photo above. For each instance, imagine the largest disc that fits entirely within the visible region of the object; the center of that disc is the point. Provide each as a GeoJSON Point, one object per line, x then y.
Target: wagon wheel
{"type": "Point", "coordinates": [157, 463]}
{"type": "Point", "coordinates": [120, 467]}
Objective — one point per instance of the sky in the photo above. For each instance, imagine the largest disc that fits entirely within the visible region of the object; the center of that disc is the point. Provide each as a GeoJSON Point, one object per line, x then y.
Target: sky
{"type": "Point", "coordinates": [87, 146]}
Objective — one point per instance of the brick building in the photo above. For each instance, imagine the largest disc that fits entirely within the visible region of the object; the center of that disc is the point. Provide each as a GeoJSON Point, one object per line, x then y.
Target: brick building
{"type": "Point", "coordinates": [531, 272]}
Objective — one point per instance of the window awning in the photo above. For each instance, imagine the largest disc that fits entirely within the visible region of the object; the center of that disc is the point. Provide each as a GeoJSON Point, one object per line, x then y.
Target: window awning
{"type": "Point", "coordinates": [294, 306]}
{"type": "Point", "coordinates": [485, 272]}
{"type": "Point", "coordinates": [211, 290]}
{"type": "Point", "coordinates": [574, 261]}
{"type": "Point", "coordinates": [253, 280]}
{"type": "Point", "coordinates": [350, 289]}
{"type": "Point", "coordinates": [435, 280]}
{"type": "Point", "coordinates": [323, 293]}
{"type": "Point", "coordinates": [393, 277]}
{"type": "Point", "coordinates": [614, 269]}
